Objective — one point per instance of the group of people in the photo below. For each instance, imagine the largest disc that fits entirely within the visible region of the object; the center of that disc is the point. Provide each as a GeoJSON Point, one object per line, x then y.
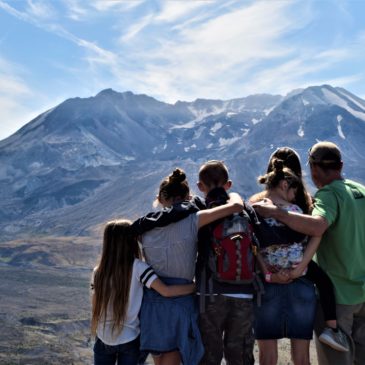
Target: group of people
{"type": "Point", "coordinates": [148, 304]}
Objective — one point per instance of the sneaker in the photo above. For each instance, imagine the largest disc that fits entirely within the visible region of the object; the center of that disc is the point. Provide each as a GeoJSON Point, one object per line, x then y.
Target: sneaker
{"type": "Point", "coordinates": [337, 340]}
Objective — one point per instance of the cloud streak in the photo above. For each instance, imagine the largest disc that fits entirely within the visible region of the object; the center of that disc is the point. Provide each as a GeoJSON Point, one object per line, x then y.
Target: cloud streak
{"type": "Point", "coordinates": [182, 50]}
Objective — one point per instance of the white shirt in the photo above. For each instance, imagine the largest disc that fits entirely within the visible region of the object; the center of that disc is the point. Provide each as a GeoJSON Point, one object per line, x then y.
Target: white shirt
{"type": "Point", "coordinates": [142, 274]}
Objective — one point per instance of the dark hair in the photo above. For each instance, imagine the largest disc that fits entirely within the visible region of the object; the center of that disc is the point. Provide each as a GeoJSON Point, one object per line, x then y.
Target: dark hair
{"type": "Point", "coordinates": [290, 159]}
{"type": "Point", "coordinates": [328, 166]}
{"type": "Point", "coordinates": [112, 277]}
{"type": "Point", "coordinates": [213, 174]}
{"type": "Point", "coordinates": [279, 173]}
{"type": "Point", "coordinates": [174, 186]}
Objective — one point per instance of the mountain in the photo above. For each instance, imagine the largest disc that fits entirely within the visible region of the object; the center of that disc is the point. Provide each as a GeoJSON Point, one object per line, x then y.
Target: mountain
{"type": "Point", "coordinates": [89, 160]}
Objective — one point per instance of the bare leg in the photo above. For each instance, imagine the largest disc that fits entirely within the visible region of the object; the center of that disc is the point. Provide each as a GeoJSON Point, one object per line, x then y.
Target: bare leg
{"type": "Point", "coordinates": [268, 352]}
{"type": "Point", "coordinates": [300, 351]}
{"type": "Point", "coordinates": [168, 358]}
{"type": "Point", "coordinates": [157, 359]}
{"type": "Point", "coordinates": [332, 323]}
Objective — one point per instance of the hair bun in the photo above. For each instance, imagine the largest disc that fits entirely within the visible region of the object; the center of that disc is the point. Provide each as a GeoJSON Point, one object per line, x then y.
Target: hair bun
{"type": "Point", "coordinates": [278, 164]}
{"type": "Point", "coordinates": [177, 176]}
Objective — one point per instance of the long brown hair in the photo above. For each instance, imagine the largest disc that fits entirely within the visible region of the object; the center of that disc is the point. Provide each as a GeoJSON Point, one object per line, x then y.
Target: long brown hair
{"type": "Point", "coordinates": [291, 160]}
{"type": "Point", "coordinates": [112, 277]}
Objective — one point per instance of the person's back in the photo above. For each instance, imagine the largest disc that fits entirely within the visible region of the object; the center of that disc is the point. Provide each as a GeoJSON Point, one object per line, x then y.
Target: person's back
{"type": "Point", "coordinates": [171, 250]}
{"type": "Point", "coordinates": [169, 326]}
{"type": "Point", "coordinates": [337, 216]}
{"type": "Point", "coordinates": [226, 321]}
{"type": "Point", "coordinates": [342, 203]}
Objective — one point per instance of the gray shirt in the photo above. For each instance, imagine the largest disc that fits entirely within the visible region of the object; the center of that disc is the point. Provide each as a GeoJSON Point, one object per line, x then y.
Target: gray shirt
{"type": "Point", "coordinates": [171, 250]}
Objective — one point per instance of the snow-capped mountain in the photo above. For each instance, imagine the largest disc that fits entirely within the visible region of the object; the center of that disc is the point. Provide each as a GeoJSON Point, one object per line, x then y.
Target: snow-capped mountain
{"type": "Point", "coordinates": [87, 160]}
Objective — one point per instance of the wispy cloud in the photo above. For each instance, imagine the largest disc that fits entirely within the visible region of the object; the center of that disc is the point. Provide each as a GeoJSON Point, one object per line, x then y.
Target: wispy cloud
{"type": "Point", "coordinates": [40, 9]}
{"type": "Point", "coordinates": [98, 54]}
{"type": "Point", "coordinates": [174, 9]}
{"type": "Point", "coordinates": [14, 91]}
{"type": "Point", "coordinates": [106, 5]}
{"type": "Point", "coordinates": [180, 49]}
{"type": "Point", "coordinates": [208, 56]}
{"type": "Point", "coordinates": [76, 9]}
{"type": "Point", "coordinates": [136, 28]}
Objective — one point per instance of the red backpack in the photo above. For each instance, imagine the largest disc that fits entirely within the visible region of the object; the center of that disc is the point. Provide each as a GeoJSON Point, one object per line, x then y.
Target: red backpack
{"type": "Point", "coordinates": [232, 257]}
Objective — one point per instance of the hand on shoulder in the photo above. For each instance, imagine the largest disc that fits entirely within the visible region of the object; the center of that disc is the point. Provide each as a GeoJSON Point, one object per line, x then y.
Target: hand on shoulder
{"type": "Point", "coordinates": [266, 208]}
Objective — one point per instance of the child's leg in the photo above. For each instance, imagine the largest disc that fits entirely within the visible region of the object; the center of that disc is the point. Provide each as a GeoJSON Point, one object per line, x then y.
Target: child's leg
{"type": "Point", "coordinates": [331, 336]}
{"type": "Point", "coordinates": [238, 334]}
{"type": "Point", "coordinates": [268, 352]}
{"type": "Point", "coordinates": [128, 353]}
{"type": "Point", "coordinates": [104, 354]}
{"type": "Point", "coordinates": [300, 351]}
{"type": "Point", "coordinates": [326, 293]}
{"type": "Point", "coordinates": [169, 358]}
{"type": "Point", "coordinates": [211, 324]}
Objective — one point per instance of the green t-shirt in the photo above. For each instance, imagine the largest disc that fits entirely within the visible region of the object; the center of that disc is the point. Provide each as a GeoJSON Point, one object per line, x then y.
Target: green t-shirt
{"type": "Point", "coordinates": [341, 252]}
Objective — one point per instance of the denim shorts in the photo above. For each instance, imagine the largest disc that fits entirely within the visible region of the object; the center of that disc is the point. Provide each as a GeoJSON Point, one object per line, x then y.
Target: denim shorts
{"type": "Point", "coordinates": [171, 324]}
{"type": "Point", "coordinates": [287, 311]}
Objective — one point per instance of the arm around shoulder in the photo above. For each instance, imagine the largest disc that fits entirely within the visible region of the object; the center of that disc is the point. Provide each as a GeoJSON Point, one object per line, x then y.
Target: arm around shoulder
{"type": "Point", "coordinates": [210, 215]}
{"type": "Point", "coordinates": [304, 223]}
{"type": "Point", "coordinates": [172, 290]}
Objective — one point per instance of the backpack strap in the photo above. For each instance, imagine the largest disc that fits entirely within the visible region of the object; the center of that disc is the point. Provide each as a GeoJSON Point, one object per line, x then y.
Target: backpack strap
{"type": "Point", "coordinates": [251, 214]}
{"type": "Point", "coordinates": [202, 290]}
{"type": "Point", "coordinates": [259, 289]}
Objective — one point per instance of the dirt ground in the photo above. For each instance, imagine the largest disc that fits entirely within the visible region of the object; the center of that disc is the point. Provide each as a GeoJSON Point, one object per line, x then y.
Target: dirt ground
{"type": "Point", "coordinates": [284, 354]}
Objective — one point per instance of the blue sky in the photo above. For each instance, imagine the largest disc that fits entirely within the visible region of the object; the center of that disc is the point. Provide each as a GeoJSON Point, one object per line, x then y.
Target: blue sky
{"type": "Point", "coordinates": [51, 50]}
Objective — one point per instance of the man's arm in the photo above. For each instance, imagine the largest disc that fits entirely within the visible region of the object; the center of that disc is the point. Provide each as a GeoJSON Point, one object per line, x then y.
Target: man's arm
{"type": "Point", "coordinates": [303, 223]}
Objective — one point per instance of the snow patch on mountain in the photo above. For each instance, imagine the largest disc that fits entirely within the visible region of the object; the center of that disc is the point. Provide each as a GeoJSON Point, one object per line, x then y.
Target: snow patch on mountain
{"type": "Point", "coordinates": [187, 125]}
{"type": "Point", "coordinates": [348, 96]}
{"type": "Point", "coordinates": [198, 132]}
{"type": "Point", "coordinates": [339, 127]}
{"type": "Point", "coordinates": [301, 131]}
{"type": "Point", "coordinates": [332, 98]}
{"type": "Point", "coordinates": [201, 114]}
{"type": "Point", "coordinates": [187, 149]}
{"type": "Point", "coordinates": [268, 111]}
{"type": "Point", "coordinates": [255, 121]}
{"type": "Point", "coordinates": [223, 142]}
{"type": "Point", "coordinates": [216, 127]}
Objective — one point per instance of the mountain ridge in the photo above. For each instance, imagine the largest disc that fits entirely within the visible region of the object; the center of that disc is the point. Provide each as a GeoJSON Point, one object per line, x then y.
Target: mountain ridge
{"type": "Point", "coordinates": [90, 159]}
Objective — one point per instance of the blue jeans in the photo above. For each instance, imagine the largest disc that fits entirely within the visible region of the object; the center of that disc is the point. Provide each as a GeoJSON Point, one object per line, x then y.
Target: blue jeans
{"type": "Point", "coordinates": [124, 354]}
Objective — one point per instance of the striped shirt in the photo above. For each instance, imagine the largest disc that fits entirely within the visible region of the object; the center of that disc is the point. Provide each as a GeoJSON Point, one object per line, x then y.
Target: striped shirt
{"type": "Point", "coordinates": [172, 250]}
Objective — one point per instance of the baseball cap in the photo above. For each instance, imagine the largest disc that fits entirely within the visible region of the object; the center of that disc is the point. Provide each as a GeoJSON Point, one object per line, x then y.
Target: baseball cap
{"type": "Point", "coordinates": [324, 153]}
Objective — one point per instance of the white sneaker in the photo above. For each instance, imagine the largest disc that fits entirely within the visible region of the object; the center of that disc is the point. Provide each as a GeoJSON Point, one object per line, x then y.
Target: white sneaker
{"type": "Point", "coordinates": [337, 340]}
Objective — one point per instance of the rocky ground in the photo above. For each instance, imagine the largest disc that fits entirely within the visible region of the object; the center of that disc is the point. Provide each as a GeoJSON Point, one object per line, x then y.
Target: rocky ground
{"type": "Point", "coordinates": [45, 303]}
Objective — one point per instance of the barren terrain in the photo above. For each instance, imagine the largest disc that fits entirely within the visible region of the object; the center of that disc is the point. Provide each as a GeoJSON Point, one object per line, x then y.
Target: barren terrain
{"type": "Point", "coordinates": [45, 304]}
